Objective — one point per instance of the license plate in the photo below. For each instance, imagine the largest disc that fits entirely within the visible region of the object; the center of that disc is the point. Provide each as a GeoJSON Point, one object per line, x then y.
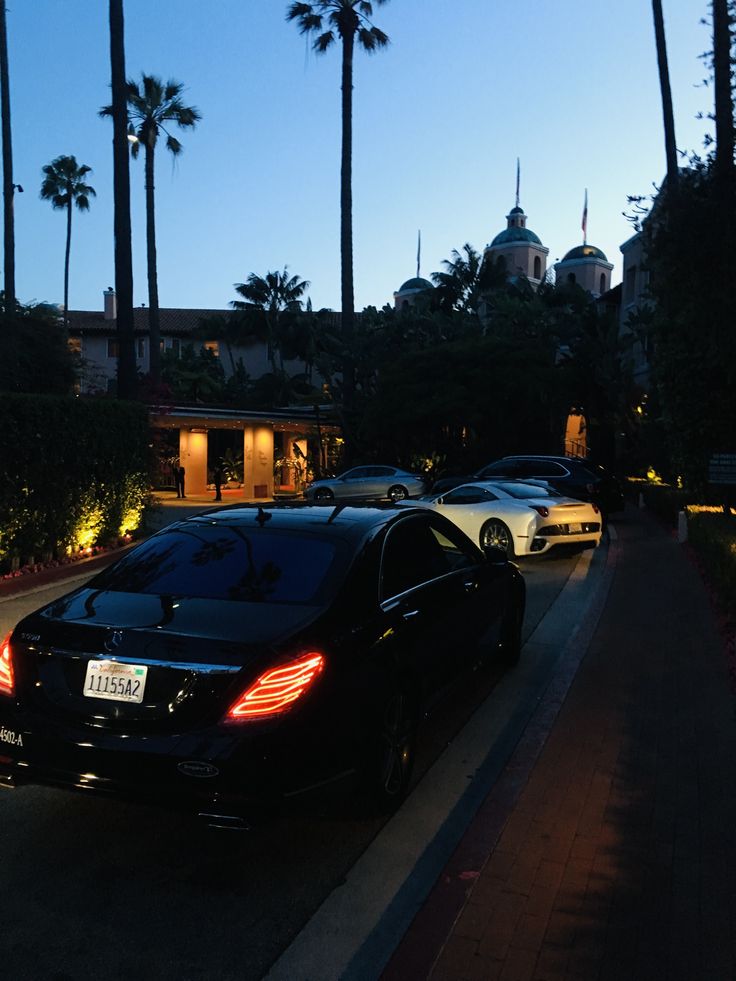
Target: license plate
{"type": "Point", "coordinates": [574, 529]}
{"type": "Point", "coordinates": [116, 681]}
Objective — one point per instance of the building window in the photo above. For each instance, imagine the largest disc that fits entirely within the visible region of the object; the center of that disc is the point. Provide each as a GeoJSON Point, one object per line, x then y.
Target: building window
{"type": "Point", "coordinates": [630, 288]}
{"type": "Point", "coordinates": [603, 283]}
{"type": "Point", "coordinates": [75, 345]}
{"type": "Point", "coordinates": [213, 346]}
{"type": "Point", "coordinates": [113, 348]}
{"type": "Point", "coordinates": [140, 348]}
{"type": "Point", "coordinates": [172, 344]}
{"type": "Point", "coordinates": [537, 267]}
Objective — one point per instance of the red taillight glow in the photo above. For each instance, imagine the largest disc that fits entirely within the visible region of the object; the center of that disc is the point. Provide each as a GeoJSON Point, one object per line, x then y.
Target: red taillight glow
{"type": "Point", "coordinates": [276, 690]}
{"type": "Point", "coordinates": [540, 509]}
{"type": "Point", "coordinates": [7, 686]}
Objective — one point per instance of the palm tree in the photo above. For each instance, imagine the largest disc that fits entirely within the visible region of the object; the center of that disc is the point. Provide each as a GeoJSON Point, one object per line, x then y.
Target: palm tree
{"type": "Point", "coordinates": [152, 108]}
{"type": "Point", "coordinates": [8, 185]}
{"type": "Point", "coordinates": [664, 83]}
{"type": "Point", "coordinates": [467, 276]}
{"type": "Point", "coordinates": [349, 20]}
{"type": "Point", "coordinates": [723, 78]}
{"type": "Point", "coordinates": [127, 377]}
{"type": "Point", "coordinates": [273, 293]}
{"type": "Point", "coordinates": [64, 186]}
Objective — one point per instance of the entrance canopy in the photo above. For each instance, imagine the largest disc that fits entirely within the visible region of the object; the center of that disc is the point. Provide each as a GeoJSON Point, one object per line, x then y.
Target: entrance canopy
{"type": "Point", "coordinates": [297, 423]}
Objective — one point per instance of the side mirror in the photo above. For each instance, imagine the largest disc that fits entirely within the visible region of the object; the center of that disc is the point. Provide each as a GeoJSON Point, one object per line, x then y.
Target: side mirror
{"type": "Point", "coordinates": [440, 500]}
{"type": "Point", "coordinates": [495, 555]}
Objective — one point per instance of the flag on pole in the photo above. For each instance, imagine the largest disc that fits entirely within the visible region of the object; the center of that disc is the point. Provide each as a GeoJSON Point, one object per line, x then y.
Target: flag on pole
{"type": "Point", "coordinates": [585, 217]}
{"type": "Point", "coordinates": [419, 250]}
{"type": "Point", "coordinates": [518, 180]}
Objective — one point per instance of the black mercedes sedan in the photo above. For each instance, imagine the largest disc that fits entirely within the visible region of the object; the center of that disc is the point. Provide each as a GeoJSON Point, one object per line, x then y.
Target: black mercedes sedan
{"type": "Point", "coordinates": [247, 656]}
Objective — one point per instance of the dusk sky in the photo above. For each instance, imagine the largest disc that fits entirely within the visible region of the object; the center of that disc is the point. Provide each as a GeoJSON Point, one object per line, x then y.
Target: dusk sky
{"type": "Point", "coordinates": [440, 117]}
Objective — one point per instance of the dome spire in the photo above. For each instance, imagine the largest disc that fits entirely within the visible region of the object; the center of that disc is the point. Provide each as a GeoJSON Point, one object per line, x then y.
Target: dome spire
{"type": "Point", "coordinates": [419, 252]}
{"type": "Point", "coordinates": [584, 225]}
{"type": "Point", "coordinates": [518, 180]}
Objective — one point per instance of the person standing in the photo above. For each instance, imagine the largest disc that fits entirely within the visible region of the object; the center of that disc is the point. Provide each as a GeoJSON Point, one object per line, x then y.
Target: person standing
{"type": "Point", "coordinates": [181, 473]}
{"type": "Point", "coordinates": [218, 481]}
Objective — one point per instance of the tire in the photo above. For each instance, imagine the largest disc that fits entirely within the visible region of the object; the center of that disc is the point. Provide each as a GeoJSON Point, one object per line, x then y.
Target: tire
{"type": "Point", "coordinates": [390, 756]}
{"type": "Point", "coordinates": [397, 493]}
{"type": "Point", "coordinates": [323, 494]}
{"type": "Point", "coordinates": [495, 532]}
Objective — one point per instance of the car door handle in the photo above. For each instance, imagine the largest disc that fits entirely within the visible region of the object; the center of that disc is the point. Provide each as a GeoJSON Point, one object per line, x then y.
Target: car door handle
{"type": "Point", "coordinates": [470, 584]}
{"type": "Point", "coordinates": [409, 614]}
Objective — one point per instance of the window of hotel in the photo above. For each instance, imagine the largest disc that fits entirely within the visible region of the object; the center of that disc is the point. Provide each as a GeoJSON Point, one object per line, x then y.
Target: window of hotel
{"type": "Point", "coordinates": [630, 289]}
{"type": "Point", "coordinates": [75, 345]}
{"type": "Point", "coordinates": [172, 344]}
{"type": "Point", "coordinates": [140, 348]}
{"type": "Point", "coordinates": [112, 347]}
{"type": "Point", "coordinates": [537, 267]}
{"type": "Point", "coordinates": [603, 283]}
{"type": "Point", "coordinates": [213, 346]}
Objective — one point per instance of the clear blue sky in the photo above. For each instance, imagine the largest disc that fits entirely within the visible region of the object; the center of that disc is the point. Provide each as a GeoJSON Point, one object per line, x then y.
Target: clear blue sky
{"type": "Point", "coordinates": [569, 86]}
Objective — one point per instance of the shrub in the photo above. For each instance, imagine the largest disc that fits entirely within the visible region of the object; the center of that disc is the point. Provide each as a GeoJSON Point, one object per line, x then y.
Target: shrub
{"type": "Point", "coordinates": [713, 537]}
{"type": "Point", "coordinates": [75, 472]}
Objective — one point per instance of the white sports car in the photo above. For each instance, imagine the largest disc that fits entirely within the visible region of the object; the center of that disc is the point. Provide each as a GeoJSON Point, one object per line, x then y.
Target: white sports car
{"type": "Point", "coordinates": [522, 518]}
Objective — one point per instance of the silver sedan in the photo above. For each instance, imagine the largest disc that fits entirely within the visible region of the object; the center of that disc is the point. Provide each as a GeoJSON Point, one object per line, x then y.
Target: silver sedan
{"type": "Point", "coordinates": [368, 483]}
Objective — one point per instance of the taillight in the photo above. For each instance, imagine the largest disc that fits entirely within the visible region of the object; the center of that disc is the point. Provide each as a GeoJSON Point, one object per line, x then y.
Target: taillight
{"type": "Point", "coordinates": [7, 686]}
{"type": "Point", "coordinates": [276, 690]}
{"type": "Point", "coordinates": [595, 507]}
{"type": "Point", "coordinates": [540, 509]}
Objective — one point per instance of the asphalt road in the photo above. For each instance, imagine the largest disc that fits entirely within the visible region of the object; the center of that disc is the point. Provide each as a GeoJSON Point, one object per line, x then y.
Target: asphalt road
{"type": "Point", "coordinates": [100, 889]}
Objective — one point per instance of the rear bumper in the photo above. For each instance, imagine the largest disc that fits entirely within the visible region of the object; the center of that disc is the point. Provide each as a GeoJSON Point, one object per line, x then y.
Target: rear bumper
{"type": "Point", "coordinates": [221, 770]}
{"type": "Point", "coordinates": [547, 537]}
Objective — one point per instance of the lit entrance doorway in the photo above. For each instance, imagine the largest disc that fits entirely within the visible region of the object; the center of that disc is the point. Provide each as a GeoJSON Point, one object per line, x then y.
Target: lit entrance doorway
{"type": "Point", "coordinates": [576, 433]}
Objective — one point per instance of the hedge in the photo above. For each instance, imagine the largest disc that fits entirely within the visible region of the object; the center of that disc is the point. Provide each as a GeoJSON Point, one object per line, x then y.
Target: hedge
{"type": "Point", "coordinates": [74, 473]}
{"type": "Point", "coordinates": [713, 536]}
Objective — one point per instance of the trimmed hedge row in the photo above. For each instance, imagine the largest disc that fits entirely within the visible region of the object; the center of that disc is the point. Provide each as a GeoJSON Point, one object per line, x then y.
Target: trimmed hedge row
{"type": "Point", "coordinates": [713, 536]}
{"type": "Point", "coordinates": [74, 473]}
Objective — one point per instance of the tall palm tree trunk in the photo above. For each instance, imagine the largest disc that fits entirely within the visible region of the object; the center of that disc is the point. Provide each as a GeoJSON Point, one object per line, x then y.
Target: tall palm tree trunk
{"type": "Point", "coordinates": [668, 117]}
{"type": "Point", "coordinates": [8, 186]}
{"type": "Point", "coordinates": [66, 259]}
{"type": "Point", "coordinates": [346, 225]}
{"type": "Point", "coordinates": [154, 324]}
{"type": "Point", "coordinates": [724, 165]}
{"type": "Point", "coordinates": [127, 379]}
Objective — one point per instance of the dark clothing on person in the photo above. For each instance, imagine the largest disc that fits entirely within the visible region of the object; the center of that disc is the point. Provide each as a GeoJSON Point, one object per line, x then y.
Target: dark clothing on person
{"type": "Point", "coordinates": [218, 483]}
{"type": "Point", "coordinates": [180, 473]}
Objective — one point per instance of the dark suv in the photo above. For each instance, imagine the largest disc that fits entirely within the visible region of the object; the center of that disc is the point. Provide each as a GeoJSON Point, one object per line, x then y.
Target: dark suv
{"type": "Point", "coordinates": [572, 476]}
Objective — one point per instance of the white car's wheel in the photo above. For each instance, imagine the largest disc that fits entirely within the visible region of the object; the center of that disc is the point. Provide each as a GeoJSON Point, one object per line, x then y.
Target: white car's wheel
{"type": "Point", "coordinates": [323, 494]}
{"type": "Point", "coordinates": [495, 532]}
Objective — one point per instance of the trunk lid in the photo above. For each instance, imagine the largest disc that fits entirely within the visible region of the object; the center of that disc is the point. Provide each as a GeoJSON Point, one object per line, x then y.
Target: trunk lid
{"type": "Point", "coordinates": [186, 655]}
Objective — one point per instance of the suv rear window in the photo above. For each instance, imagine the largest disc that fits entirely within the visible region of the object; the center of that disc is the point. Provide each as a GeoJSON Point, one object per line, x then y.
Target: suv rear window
{"type": "Point", "coordinates": [230, 563]}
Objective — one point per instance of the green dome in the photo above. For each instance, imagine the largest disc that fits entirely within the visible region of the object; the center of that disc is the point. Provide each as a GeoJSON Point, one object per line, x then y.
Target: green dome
{"type": "Point", "coordinates": [585, 252]}
{"type": "Point", "coordinates": [510, 236]}
{"type": "Point", "coordinates": [416, 284]}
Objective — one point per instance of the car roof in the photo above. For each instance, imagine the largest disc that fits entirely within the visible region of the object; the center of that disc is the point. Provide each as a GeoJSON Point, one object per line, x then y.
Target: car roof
{"type": "Point", "coordinates": [567, 461]}
{"type": "Point", "coordinates": [343, 520]}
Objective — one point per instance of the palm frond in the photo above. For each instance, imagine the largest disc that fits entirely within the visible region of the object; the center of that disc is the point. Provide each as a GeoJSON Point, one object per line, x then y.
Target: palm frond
{"type": "Point", "coordinates": [323, 42]}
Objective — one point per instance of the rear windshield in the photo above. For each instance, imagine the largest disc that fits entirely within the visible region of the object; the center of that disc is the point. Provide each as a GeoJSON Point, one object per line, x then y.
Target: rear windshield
{"type": "Point", "coordinates": [229, 563]}
{"type": "Point", "coordinates": [525, 491]}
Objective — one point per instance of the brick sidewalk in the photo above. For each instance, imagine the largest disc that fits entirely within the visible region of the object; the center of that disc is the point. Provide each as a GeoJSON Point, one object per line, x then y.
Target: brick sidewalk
{"type": "Point", "coordinates": [617, 858]}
